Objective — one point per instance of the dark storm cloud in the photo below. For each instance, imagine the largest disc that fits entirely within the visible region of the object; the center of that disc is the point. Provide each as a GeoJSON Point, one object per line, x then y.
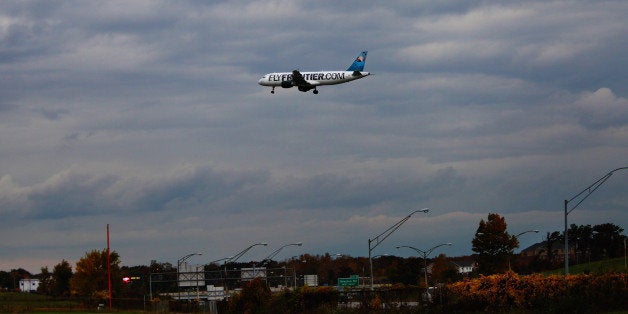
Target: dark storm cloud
{"type": "Point", "coordinates": [80, 193]}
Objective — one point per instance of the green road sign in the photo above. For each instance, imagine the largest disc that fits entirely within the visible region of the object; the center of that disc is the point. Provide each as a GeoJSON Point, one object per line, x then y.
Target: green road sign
{"type": "Point", "coordinates": [352, 281]}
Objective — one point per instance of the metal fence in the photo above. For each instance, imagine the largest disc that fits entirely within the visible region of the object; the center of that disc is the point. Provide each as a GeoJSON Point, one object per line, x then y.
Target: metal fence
{"type": "Point", "coordinates": [216, 284]}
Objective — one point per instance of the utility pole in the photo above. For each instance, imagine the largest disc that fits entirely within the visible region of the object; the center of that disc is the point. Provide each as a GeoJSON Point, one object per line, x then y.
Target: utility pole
{"type": "Point", "coordinates": [382, 236]}
{"type": "Point", "coordinates": [580, 197]}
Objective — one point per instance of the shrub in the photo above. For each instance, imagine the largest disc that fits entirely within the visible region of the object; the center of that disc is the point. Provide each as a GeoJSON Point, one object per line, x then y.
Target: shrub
{"type": "Point", "coordinates": [573, 293]}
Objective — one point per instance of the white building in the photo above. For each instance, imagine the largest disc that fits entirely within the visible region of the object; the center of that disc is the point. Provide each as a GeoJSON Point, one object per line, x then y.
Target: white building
{"type": "Point", "coordinates": [465, 266]}
{"type": "Point", "coordinates": [29, 285]}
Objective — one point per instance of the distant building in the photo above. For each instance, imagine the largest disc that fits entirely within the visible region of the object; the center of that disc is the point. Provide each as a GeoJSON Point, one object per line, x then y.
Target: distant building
{"type": "Point", "coordinates": [29, 285]}
{"type": "Point", "coordinates": [540, 250]}
{"type": "Point", "coordinates": [464, 266]}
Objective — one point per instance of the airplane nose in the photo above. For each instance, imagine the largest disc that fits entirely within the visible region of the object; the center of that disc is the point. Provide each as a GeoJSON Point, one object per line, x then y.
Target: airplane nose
{"type": "Point", "coordinates": [260, 81]}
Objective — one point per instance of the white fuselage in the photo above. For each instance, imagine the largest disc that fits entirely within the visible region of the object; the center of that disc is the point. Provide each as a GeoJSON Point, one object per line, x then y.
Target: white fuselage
{"type": "Point", "coordinates": [313, 78]}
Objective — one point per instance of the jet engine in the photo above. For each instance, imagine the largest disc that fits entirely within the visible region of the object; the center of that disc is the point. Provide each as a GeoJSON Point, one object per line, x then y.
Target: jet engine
{"type": "Point", "coordinates": [305, 88]}
{"type": "Point", "coordinates": [287, 84]}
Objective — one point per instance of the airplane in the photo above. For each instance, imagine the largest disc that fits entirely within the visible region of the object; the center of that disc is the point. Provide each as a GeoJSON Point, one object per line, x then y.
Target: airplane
{"type": "Point", "coordinates": [306, 81]}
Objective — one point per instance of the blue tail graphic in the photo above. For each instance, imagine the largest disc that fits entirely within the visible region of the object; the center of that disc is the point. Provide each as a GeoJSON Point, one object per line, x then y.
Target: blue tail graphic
{"type": "Point", "coordinates": [358, 64]}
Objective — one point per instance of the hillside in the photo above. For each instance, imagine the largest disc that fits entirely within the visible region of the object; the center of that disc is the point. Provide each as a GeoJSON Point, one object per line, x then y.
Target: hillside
{"type": "Point", "coordinates": [599, 267]}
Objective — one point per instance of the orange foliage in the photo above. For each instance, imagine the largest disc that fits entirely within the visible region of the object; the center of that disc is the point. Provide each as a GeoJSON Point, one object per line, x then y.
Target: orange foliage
{"type": "Point", "coordinates": [535, 292]}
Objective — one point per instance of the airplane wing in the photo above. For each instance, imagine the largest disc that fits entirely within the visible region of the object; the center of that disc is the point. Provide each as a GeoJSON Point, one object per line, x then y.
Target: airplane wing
{"type": "Point", "coordinates": [298, 79]}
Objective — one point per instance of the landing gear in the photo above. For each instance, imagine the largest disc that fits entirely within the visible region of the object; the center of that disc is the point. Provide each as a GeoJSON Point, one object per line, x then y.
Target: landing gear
{"type": "Point", "coordinates": [315, 91]}
{"type": "Point", "coordinates": [273, 91]}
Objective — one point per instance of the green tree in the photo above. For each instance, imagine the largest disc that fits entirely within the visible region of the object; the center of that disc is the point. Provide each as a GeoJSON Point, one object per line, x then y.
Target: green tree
{"type": "Point", "coordinates": [608, 241]}
{"type": "Point", "coordinates": [61, 275]}
{"type": "Point", "coordinates": [550, 240]}
{"type": "Point", "coordinates": [164, 277]}
{"type": "Point", "coordinates": [582, 238]}
{"type": "Point", "coordinates": [493, 245]}
{"type": "Point", "coordinates": [90, 279]}
{"type": "Point", "coordinates": [5, 280]}
{"type": "Point", "coordinates": [14, 276]}
{"type": "Point", "coordinates": [443, 271]}
{"type": "Point", "coordinates": [45, 281]}
{"type": "Point", "coordinates": [138, 285]}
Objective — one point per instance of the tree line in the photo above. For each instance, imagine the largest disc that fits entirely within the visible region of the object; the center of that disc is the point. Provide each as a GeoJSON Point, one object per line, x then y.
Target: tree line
{"type": "Point", "coordinates": [493, 247]}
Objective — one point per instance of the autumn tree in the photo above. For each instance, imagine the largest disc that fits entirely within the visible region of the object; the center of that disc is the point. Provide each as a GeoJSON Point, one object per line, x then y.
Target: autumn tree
{"type": "Point", "coordinates": [90, 279]}
{"type": "Point", "coordinates": [493, 245]}
{"type": "Point", "coordinates": [254, 298]}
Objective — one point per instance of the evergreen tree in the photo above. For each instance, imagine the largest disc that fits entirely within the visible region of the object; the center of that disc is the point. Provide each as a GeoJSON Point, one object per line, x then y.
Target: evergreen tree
{"type": "Point", "coordinates": [608, 241]}
{"type": "Point", "coordinates": [493, 245]}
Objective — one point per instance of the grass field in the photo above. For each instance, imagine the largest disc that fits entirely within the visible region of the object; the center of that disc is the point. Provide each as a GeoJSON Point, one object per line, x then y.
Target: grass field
{"type": "Point", "coordinates": [599, 267]}
{"type": "Point", "coordinates": [19, 302]}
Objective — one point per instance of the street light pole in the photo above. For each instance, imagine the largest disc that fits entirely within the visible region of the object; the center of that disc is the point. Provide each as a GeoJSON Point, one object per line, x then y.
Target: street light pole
{"type": "Point", "coordinates": [425, 255]}
{"type": "Point", "coordinates": [238, 255]}
{"type": "Point", "coordinates": [179, 261]}
{"type": "Point", "coordinates": [224, 281]}
{"type": "Point", "coordinates": [516, 237]}
{"type": "Point", "coordinates": [220, 260]}
{"type": "Point", "coordinates": [268, 258]}
{"type": "Point", "coordinates": [382, 236]}
{"type": "Point", "coordinates": [583, 195]}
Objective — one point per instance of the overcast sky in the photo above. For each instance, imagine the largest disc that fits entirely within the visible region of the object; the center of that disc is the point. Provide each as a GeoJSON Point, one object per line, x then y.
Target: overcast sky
{"type": "Point", "coordinates": [147, 115]}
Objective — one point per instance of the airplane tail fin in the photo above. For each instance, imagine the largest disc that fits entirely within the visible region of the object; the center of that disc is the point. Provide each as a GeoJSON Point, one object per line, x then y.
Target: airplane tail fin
{"type": "Point", "coordinates": [358, 64]}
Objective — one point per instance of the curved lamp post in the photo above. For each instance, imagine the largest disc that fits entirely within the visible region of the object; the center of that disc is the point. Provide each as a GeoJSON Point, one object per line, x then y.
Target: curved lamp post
{"type": "Point", "coordinates": [580, 197]}
{"type": "Point", "coordinates": [179, 261]}
{"type": "Point", "coordinates": [274, 253]}
{"type": "Point", "coordinates": [382, 236]}
{"type": "Point", "coordinates": [269, 258]}
{"type": "Point", "coordinates": [238, 255]}
{"type": "Point", "coordinates": [224, 260]}
{"type": "Point", "coordinates": [221, 259]}
{"type": "Point", "coordinates": [516, 237]}
{"type": "Point", "coordinates": [425, 255]}
{"type": "Point", "coordinates": [522, 233]}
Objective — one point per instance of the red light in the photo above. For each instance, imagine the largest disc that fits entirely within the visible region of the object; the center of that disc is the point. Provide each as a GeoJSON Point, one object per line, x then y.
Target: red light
{"type": "Point", "coordinates": [126, 279]}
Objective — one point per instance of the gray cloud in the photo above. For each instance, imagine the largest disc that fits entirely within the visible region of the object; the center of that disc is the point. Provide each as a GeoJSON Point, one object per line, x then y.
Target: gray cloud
{"type": "Point", "coordinates": [602, 109]}
{"type": "Point", "coordinates": [147, 115]}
